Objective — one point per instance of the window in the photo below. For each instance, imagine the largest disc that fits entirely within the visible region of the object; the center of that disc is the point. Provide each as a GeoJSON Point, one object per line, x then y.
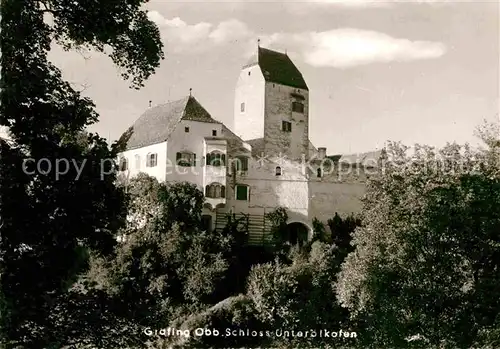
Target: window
{"type": "Point", "coordinates": [214, 133]}
{"type": "Point", "coordinates": [186, 129]}
{"type": "Point", "coordinates": [297, 107]}
{"type": "Point", "coordinates": [215, 191]}
{"type": "Point", "coordinates": [286, 126]}
{"type": "Point", "coordinates": [151, 160]}
{"type": "Point", "coordinates": [241, 163]}
{"type": "Point", "coordinates": [249, 73]}
{"type": "Point", "coordinates": [215, 159]}
{"type": "Point", "coordinates": [137, 161]}
{"type": "Point", "coordinates": [242, 107]}
{"type": "Point", "coordinates": [319, 173]}
{"type": "Point", "coordinates": [242, 192]}
{"type": "Point", "coordinates": [278, 171]}
{"type": "Point", "coordinates": [186, 159]}
{"type": "Point", "coordinates": [123, 164]}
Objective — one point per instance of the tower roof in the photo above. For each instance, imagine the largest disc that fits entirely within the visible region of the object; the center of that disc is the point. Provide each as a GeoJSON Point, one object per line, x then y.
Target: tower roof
{"type": "Point", "coordinates": [156, 124]}
{"type": "Point", "coordinates": [277, 67]}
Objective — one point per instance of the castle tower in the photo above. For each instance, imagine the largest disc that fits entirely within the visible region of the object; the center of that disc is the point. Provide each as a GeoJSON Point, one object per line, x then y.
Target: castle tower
{"type": "Point", "coordinates": [272, 104]}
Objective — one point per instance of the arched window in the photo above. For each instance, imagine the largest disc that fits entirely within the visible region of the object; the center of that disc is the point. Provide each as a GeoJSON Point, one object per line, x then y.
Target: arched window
{"type": "Point", "coordinates": [152, 160]}
{"type": "Point", "coordinates": [215, 191]}
{"type": "Point", "coordinates": [241, 163]}
{"type": "Point", "coordinates": [319, 172]}
{"type": "Point", "coordinates": [278, 171]}
{"type": "Point", "coordinates": [216, 158]}
{"type": "Point", "coordinates": [186, 159]}
{"type": "Point", "coordinates": [123, 164]}
{"type": "Point", "coordinates": [137, 161]}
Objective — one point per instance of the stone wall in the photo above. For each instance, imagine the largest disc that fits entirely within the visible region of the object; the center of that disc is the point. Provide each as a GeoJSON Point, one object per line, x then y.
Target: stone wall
{"type": "Point", "coordinates": [278, 101]}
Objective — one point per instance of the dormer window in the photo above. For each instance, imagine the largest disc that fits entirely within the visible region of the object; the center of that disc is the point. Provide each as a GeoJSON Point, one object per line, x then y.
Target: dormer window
{"type": "Point", "coordinates": [278, 171]}
{"type": "Point", "coordinates": [297, 107]}
{"type": "Point", "coordinates": [123, 164]}
{"type": "Point", "coordinates": [214, 133]}
{"type": "Point", "coordinates": [152, 160]}
{"type": "Point", "coordinates": [216, 158]}
{"type": "Point", "coordinates": [186, 159]}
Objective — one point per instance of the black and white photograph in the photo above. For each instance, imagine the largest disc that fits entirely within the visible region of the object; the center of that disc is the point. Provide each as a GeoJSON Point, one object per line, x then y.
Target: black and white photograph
{"type": "Point", "coordinates": [249, 174]}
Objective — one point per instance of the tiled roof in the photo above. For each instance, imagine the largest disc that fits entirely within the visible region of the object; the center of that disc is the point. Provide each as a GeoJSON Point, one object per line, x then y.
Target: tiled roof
{"type": "Point", "coordinates": [278, 67]}
{"type": "Point", "coordinates": [158, 123]}
{"type": "Point", "coordinates": [257, 145]}
{"type": "Point", "coordinates": [235, 143]}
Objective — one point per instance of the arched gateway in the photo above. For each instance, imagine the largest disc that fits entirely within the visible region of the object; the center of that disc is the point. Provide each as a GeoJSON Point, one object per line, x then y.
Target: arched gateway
{"type": "Point", "coordinates": [298, 233]}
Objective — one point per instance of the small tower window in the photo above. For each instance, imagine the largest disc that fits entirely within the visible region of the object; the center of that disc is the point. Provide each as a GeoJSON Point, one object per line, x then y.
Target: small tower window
{"type": "Point", "coordinates": [286, 126]}
{"type": "Point", "coordinates": [242, 107]}
{"type": "Point", "coordinates": [186, 129]}
{"type": "Point", "coordinates": [297, 107]}
{"type": "Point", "coordinates": [278, 171]}
{"type": "Point", "coordinates": [319, 173]}
{"type": "Point", "coordinates": [214, 133]}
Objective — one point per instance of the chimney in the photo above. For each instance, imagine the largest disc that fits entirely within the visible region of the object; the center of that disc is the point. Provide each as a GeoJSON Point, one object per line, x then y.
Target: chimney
{"type": "Point", "coordinates": [321, 153]}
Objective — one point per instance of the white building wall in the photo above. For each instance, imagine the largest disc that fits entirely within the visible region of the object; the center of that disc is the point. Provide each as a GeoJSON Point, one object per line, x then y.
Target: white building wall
{"type": "Point", "coordinates": [135, 167]}
{"type": "Point", "coordinates": [250, 89]}
{"type": "Point", "coordinates": [192, 141]}
{"type": "Point", "coordinates": [268, 191]}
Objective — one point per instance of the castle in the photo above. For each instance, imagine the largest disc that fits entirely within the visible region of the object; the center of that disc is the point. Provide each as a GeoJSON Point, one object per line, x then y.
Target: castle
{"type": "Point", "coordinates": [266, 162]}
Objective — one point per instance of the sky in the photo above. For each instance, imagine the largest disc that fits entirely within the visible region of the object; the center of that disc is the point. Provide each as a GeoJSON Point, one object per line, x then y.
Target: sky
{"type": "Point", "coordinates": [422, 72]}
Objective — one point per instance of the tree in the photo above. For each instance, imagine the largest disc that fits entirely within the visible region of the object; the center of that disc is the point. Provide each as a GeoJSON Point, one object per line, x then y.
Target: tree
{"type": "Point", "coordinates": [299, 297]}
{"type": "Point", "coordinates": [166, 266]}
{"type": "Point", "coordinates": [44, 246]}
{"type": "Point", "coordinates": [425, 271]}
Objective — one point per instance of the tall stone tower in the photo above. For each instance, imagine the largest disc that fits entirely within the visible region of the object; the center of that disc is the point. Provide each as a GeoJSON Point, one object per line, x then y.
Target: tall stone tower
{"type": "Point", "coordinates": [271, 105]}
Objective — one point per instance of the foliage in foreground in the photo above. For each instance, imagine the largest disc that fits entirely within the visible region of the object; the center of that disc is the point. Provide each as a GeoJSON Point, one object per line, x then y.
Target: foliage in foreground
{"type": "Point", "coordinates": [426, 263]}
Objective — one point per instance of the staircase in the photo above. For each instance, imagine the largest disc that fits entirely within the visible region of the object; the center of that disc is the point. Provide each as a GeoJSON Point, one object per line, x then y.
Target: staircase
{"type": "Point", "coordinates": [259, 228]}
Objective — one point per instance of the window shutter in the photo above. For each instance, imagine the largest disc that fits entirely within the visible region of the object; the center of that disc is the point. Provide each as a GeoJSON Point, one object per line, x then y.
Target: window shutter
{"type": "Point", "coordinates": [248, 193]}
{"type": "Point", "coordinates": [223, 160]}
{"type": "Point", "coordinates": [178, 157]}
{"type": "Point", "coordinates": [208, 159]}
{"type": "Point", "coordinates": [194, 159]}
{"type": "Point", "coordinates": [222, 191]}
{"type": "Point", "coordinates": [207, 190]}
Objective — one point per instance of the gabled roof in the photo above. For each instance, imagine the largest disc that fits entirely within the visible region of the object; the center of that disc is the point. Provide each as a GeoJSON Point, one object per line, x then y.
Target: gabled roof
{"type": "Point", "coordinates": [278, 67]}
{"type": "Point", "coordinates": [157, 123]}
